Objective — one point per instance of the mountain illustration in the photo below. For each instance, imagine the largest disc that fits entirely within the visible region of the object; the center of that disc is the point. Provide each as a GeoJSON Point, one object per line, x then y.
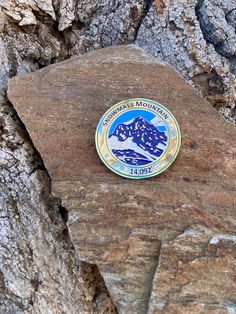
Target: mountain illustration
{"type": "Point", "coordinates": [137, 142]}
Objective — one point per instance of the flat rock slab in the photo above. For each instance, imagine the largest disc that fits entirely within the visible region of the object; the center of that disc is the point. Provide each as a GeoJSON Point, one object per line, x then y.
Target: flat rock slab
{"type": "Point", "coordinates": [165, 244]}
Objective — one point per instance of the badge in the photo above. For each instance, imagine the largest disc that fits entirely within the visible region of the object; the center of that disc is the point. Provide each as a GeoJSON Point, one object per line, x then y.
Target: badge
{"type": "Point", "coordinates": [138, 138]}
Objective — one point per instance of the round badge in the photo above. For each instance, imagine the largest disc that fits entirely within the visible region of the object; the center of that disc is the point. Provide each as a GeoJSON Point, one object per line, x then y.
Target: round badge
{"type": "Point", "coordinates": [138, 138]}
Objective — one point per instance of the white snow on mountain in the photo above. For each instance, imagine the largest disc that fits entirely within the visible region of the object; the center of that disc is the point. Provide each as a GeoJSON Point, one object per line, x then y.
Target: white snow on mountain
{"type": "Point", "coordinates": [114, 143]}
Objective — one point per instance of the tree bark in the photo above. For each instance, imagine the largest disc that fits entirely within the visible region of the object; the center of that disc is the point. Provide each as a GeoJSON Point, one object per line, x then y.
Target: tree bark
{"type": "Point", "coordinates": [38, 269]}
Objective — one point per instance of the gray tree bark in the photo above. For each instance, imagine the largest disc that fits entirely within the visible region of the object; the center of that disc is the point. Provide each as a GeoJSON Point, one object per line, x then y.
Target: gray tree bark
{"type": "Point", "coordinates": [38, 269]}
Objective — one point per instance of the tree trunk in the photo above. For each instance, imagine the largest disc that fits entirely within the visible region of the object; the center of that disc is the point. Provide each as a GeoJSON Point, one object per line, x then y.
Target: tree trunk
{"type": "Point", "coordinates": [39, 272]}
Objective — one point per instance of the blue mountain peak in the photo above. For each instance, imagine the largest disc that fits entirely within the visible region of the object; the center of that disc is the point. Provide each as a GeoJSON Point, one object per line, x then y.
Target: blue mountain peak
{"type": "Point", "coordinates": [144, 141]}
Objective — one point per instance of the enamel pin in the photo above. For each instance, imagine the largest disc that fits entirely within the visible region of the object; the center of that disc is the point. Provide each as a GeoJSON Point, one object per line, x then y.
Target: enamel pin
{"type": "Point", "coordinates": [138, 138]}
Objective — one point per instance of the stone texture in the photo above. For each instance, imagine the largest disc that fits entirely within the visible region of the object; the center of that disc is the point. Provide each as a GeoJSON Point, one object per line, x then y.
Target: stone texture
{"type": "Point", "coordinates": [37, 33]}
{"type": "Point", "coordinates": [197, 268]}
{"type": "Point", "coordinates": [163, 245]}
{"type": "Point", "coordinates": [39, 272]}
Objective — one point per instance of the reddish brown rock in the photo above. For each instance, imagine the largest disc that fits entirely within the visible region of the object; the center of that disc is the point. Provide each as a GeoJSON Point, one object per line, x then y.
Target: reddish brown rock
{"type": "Point", "coordinates": [163, 245]}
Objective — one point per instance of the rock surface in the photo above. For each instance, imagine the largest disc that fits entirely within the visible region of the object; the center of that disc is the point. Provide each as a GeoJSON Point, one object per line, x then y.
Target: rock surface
{"type": "Point", "coordinates": [197, 37]}
{"type": "Point", "coordinates": [35, 33]}
{"type": "Point", "coordinates": [163, 245]}
{"type": "Point", "coordinates": [39, 272]}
